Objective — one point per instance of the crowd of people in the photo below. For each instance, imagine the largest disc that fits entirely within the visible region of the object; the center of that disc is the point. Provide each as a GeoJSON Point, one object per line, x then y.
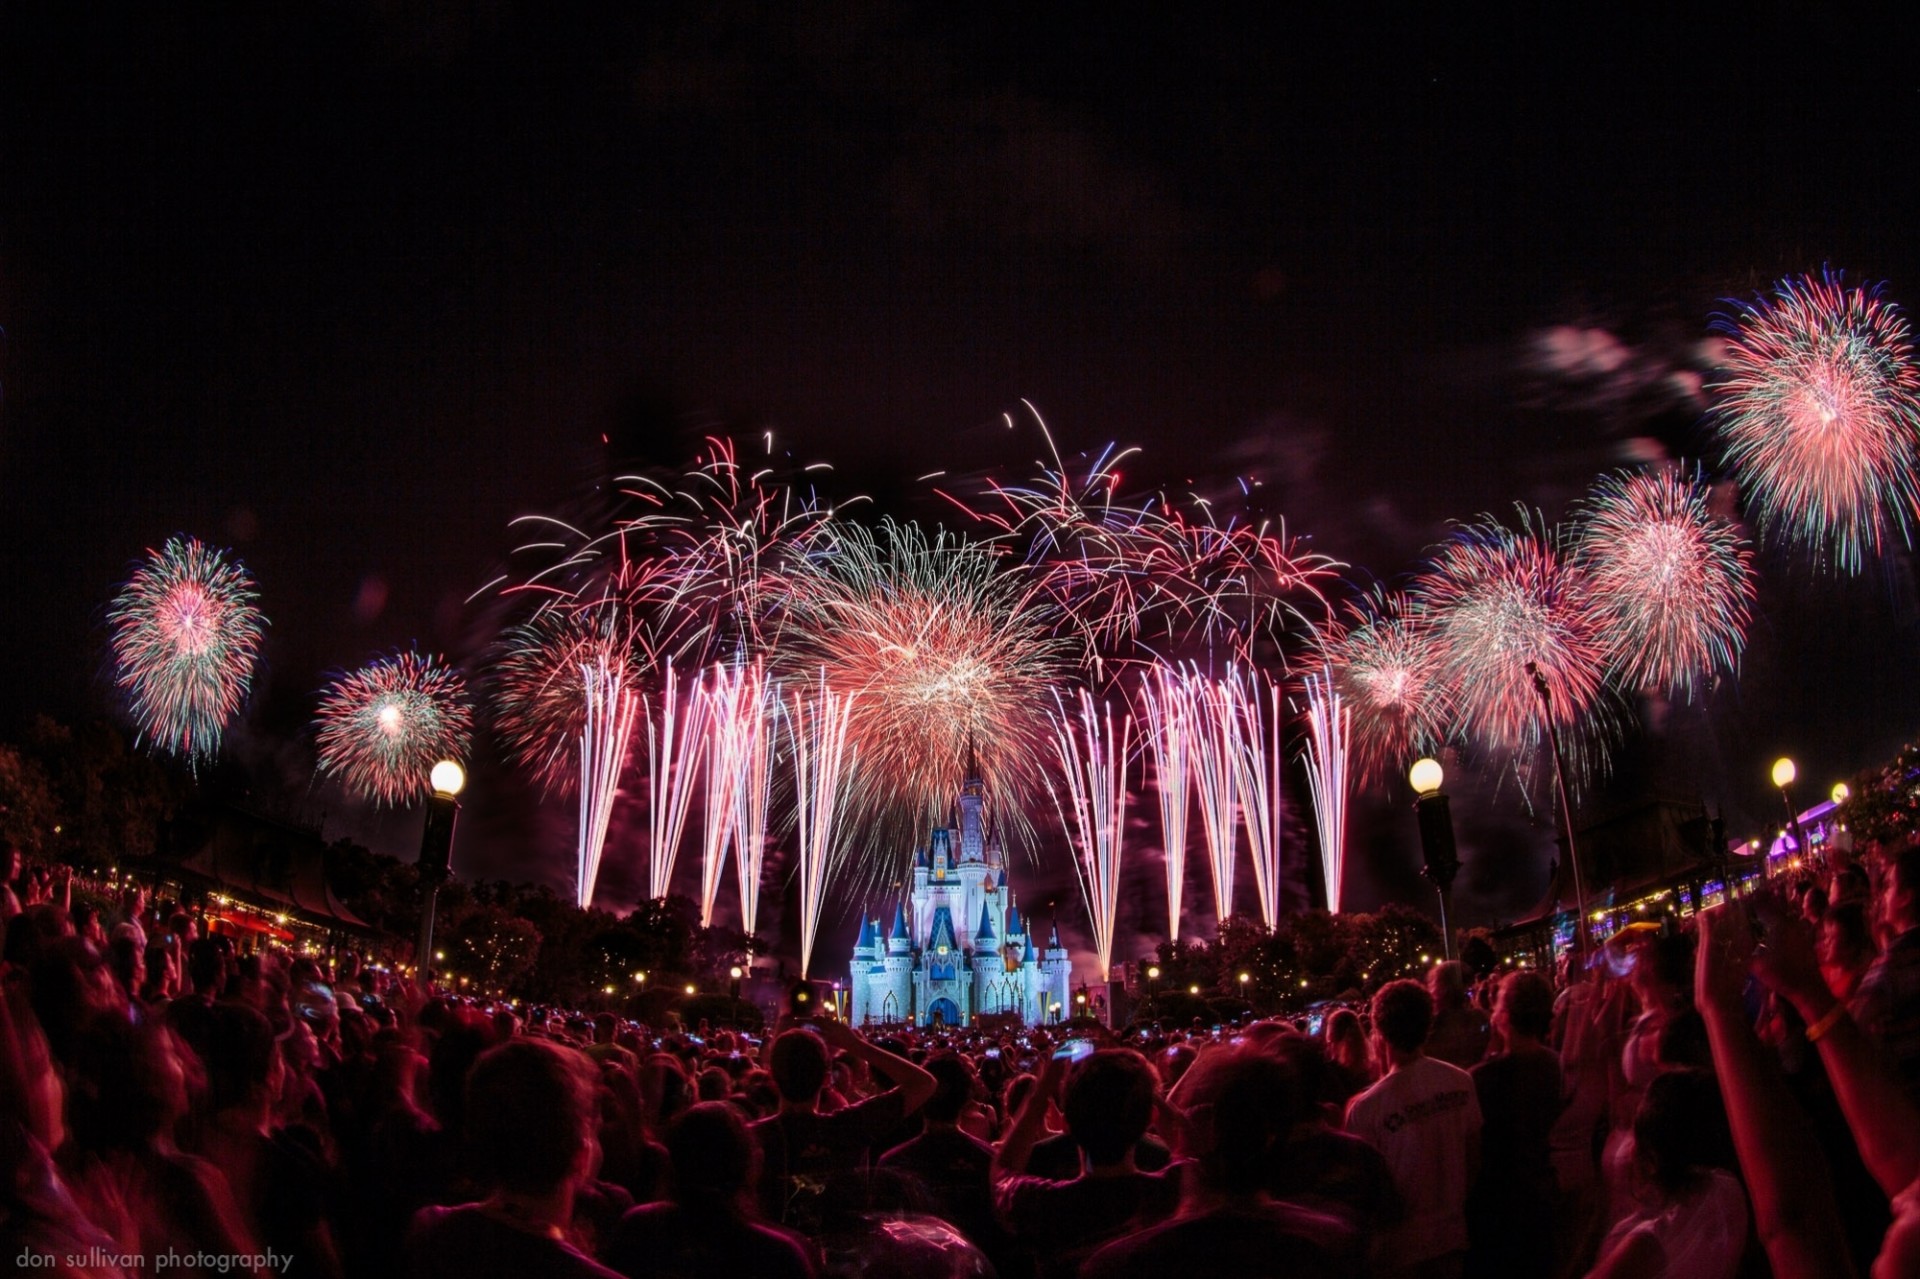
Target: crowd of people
{"type": "Point", "coordinates": [1729, 1095]}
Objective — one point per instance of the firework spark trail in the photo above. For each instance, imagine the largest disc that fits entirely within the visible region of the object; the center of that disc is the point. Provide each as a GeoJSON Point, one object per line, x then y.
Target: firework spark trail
{"type": "Point", "coordinates": [722, 696]}
{"type": "Point", "coordinates": [1128, 574]}
{"type": "Point", "coordinates": [382, 728]}
{"type": "Point", "coordinates": [944, 652]}
{"type": "Point", "coordinates": [1257, 764]}
{"type": "Point", "coordinates": [186, 638]}
{"type": "Point", "coordinates": [1502, 599]}
{"type": "Point", "coordinates": [676, 735]}
{"type": "Point", "coordinates": [1672, 581]}
{"type": "Point", "coordinates": [819, 737]}
{"type": "Point", "coordinates": [1329, 723]}
{"type": "Point", "coordinates": [753, 784]}
{"type": "Point", "coordinates": [1215, 747]}
{"type": "Point", "coordinates": [607, 728]}
{"type": "Point", "coordinates": [1170, 727]}
{"type": "Point", "coordinates": [1818, 416]}
{"type": "Point", "coordinates": [1386, 668]}
{"type": "Point", "coordinates": [1094, 751]}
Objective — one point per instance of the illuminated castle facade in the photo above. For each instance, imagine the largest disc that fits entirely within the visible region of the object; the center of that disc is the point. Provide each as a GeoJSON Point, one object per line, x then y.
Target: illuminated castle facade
{"type": "Point", "coordinates": [957, 947]}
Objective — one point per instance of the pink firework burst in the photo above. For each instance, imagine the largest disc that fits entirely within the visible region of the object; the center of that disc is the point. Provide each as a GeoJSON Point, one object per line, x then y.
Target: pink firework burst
{"type": "Point", "coordinates": [383, 727]}
{"type": "Point", "coordinates": [1503, 603]}
{"type": "Point", "coordinates": [1672, 582]}
{"type": "Point", "coordinates": [1385, 665]}
{"type": "Point", "coordinates": [1818, 415]}
{"type": "Point", "coordinates": [186, 637]}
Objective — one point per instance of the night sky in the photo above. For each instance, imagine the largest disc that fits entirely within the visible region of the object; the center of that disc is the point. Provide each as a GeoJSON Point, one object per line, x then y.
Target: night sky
{"type": "Point", "coordinates": [349, 289]}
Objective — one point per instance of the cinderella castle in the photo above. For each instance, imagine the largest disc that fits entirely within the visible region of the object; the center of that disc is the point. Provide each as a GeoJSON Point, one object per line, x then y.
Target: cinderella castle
{"type": "Point", "coordinates": [926, 967]}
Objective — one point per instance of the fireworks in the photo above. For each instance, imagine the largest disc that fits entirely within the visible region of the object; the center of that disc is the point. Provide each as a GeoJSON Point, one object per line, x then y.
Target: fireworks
{"type": "Point", "coordinates": [1216, 747]}
{"type": "Point", "coordinates": [1499, 600]}
{"type": "Point", "coordinates": [539, 706]}
{"type": "Point", "coordinates": [186, 635]}
{"type": "Point", "coordinates": [1093, 750]}
{"type": "Point", "coordinates": [944, 653]}
{"type": "Point", "coordinates": [1131, 577]}
{"type": "Point", "coordinates": [1257, 762]}
{"type": "Point", "coordinates": [722, 753]}
{"type": "Point", "coordinates": [819, 730]}
{"type": "Point", "coordinates": [1329, 725]}
{"type": "Point", "coordinates": [1170, 728]}
{"type": "Point", "coordinates": [676, 723]}
{"type": "Point", "coordinates": [1386, 668]}
{"type": "Point", "coordinates": [607, 726]}
{"type": "Point", "coordinates": [752, 731]}
{"type": "Point", "coordinates": [1819, 418]}
{"type": "Point", "coordinates": [1672, 581]}
{"type": "Point", "coordinates": [382, 728]}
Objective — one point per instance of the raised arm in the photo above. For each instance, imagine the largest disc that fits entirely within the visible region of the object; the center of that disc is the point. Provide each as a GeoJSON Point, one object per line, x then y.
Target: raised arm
{"type": "Point", "coordinates": [1793, 1204]}
{"type": "Point", "coordinates": [1884, 1120]}
{"type": "Point", "coordinates": [916, 1085]}
{"type": "Point", "coordinates": [1011, 1155]}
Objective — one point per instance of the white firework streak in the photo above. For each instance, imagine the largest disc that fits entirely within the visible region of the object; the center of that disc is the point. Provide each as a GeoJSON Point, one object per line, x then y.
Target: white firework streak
{"type": "Point", "coordinates": [1094, 758]}
{"type": "Point", "coordinates": [1170, 725]}
{"type": "Point", "coordinates": [722, 704]}
{"type": "Point", "coordinates": [1328, 721]}
{"type": "Point", "coordinates": [818, 731]}
{"type": "Point", "coordinates": [611, 707]}
{"type": "Point", "coordinates": [753, 787]}
{"type": "Point", "coordinates": [673, 759]}
{"type": "Point", "coordinates": [1215, 746]}
{"type": "Point", "coordinates": [1256, 772]}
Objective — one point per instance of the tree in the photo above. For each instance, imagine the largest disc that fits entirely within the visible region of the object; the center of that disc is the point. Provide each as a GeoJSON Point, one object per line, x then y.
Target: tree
{"type": "Point", "coordinates": [29, 812]}
{"type": "Point", "coordinates": [496, 949]}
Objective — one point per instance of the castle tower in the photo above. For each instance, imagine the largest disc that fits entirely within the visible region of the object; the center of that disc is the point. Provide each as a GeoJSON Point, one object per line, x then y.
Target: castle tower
{"type": "Point", "coordinates": [893, 1000]}
{"type": "Point", "coordinates": [866, 955]}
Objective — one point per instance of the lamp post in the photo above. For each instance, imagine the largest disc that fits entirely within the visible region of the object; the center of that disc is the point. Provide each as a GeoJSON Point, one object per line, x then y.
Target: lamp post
{"type": "Point", "coordinates": [436, 854]}
{"type": "Point", "coordinates": [1566, 819]}
{"type": "Point", "coordinates": [1153, 984]}
{"type": "Point", "coordinates": [733, 977]}
{"type": "Point", "coordinates": [1784, 771]}
{"type": "Point", "coordinates": [1435, 815]}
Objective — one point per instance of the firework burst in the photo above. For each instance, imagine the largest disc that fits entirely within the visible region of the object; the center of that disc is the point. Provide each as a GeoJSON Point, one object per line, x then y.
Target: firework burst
{"type": "Point", "coordinates": [186, 637]}
{"type": "Point", "coordinates": [1385, 666]}
{"type": "Point", "coordinates": [1818, 415]}
{"type": "Point", "coordinates": [1329, 727]}
{"type": "Point", "coordinates": [1501, 600]}
{"type": "Point", "coordinates": [606, 727]}
{"type": "Point", "coordinates": [676, 736]}
{"type": "Point", "coordinates": [1169, 717]}
{"type": "Point", "coordinates": [382, 728]}
{"type": "Point", "coordinates": [540, 707]}
{"type": "Point", "coordinates": [945, 655]}
{"type": "Point", "coordinates": [820, 737]}
{"type": "Point", "coordinates": [1673, 582]}
{"type": "Point", "coordinates": [1216, 749]}
{"type": "Point", "coordinates": [1093, 750]}
{"type": "Point", "coordinates": [1257, 761]}
{"type": "Point", "coordinates": [1132, 577]}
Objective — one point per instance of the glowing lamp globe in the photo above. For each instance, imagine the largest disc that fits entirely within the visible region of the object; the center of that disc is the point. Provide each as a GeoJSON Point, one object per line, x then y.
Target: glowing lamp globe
{"type": "Point", "coordinates": [1425, 776]}
{"type": "Point", "coordinates": [734, 972]}
{"type": "Point", "coordinates": [1784, 772]}
{"type": "Point", "coordinates": [1153, 973]}
{"type": "Point", "coordinates": [1841, 793]}
{"type": "Point", "coordinates": [447, 778]}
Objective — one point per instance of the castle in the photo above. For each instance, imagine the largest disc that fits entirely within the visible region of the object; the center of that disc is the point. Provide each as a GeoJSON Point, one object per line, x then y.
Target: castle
{"type": "Point", "coordinates": [925, 968]}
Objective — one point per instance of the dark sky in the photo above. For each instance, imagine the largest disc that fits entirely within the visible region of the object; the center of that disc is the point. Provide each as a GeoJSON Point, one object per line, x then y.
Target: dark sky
{"type": "Point", "coordinates": [349, 289]}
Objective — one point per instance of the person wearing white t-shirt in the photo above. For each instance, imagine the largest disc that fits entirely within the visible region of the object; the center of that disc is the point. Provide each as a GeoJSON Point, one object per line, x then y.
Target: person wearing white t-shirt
{"type": "Point", "coordinates": [1424, 1117]}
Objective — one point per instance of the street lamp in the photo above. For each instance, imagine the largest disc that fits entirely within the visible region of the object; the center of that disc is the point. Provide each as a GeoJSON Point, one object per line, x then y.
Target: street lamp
{"type": "Point", "coordinates": [1566, 817]}
{"type": "Point", "coordinates": [1435, 815]}
{"type": "Point", "coordinates": [448, 779]}
{"type": "Point", "coordinates": [733, 974]}
{"type": "Point", "coordinates": [1783, 774]}
{"type": "Point", "coordinates": [1841, 793]}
